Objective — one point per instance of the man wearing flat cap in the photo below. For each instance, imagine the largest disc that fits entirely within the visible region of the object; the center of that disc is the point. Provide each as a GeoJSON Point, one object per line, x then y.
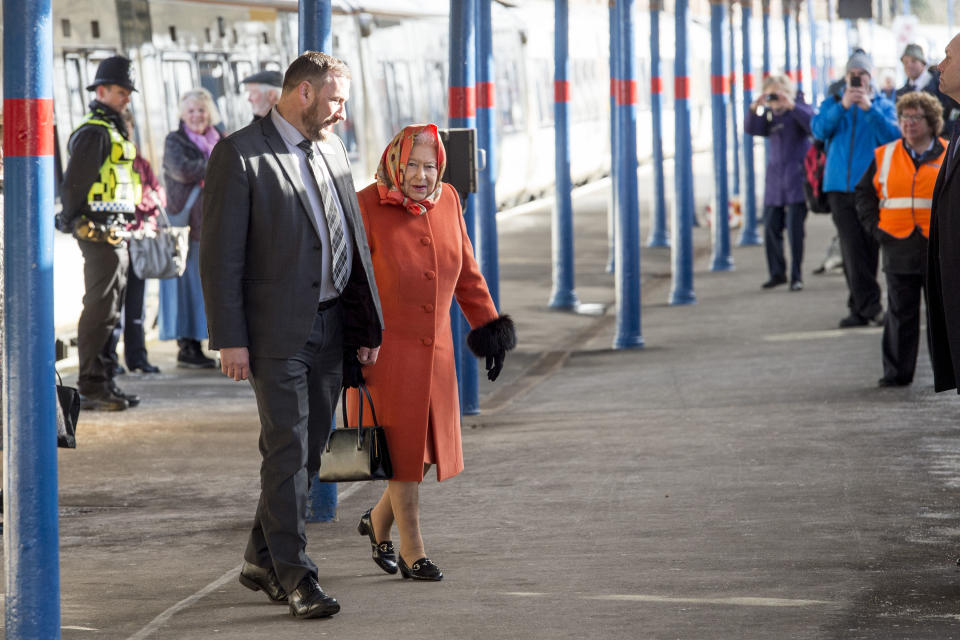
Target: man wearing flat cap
{"type": "Point", "coordinates": [100, 193]}
{"type": "Point", "coordinates": [263, 91]}
{"type": "Point", "coordinates": [921, 77]}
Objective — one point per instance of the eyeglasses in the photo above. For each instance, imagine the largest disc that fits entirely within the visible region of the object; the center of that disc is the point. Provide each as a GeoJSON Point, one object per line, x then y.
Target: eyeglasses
{"type": "Point", "coordinates": [913, 119]}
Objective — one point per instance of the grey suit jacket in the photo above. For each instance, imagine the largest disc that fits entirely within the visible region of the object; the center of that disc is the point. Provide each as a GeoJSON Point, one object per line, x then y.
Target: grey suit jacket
{"type": "Point", "coordinates": [260, 255]}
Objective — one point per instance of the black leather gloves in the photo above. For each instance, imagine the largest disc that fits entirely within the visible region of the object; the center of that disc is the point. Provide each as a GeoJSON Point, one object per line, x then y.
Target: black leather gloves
{"type": "Point", "coordinates": [492, 341]}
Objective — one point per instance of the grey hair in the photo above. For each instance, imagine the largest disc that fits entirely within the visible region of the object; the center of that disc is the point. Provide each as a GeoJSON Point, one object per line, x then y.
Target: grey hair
{"type": "Point", "coordinates": [204, 96]}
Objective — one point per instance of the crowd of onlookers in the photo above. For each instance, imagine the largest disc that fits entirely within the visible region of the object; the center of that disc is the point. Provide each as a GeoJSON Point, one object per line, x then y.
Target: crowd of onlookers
{"type": "Point", "coordinates": [883, 153]}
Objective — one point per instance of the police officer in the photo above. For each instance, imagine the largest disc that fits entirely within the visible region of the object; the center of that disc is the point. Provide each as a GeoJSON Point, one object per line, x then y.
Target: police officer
{"type": "Point", "coordinates": [263, 91]}
{"type": "Point", "coordinates": [99, 194]}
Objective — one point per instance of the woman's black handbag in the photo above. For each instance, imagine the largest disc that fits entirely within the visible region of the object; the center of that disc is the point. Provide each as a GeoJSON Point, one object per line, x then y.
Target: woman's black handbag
{"type": "Point", "coordinates": [162, 255]}
{"type": "Point", "coordinates": [68, 410]}
{"type": "Point", "coordinates": [357, 453]}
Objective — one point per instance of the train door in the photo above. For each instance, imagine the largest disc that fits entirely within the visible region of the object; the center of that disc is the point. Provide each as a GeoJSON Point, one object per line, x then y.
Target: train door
{"type": "Point", "coordinates": [178, 77]}
{"type": "Point", "coordinates": [213, 78]}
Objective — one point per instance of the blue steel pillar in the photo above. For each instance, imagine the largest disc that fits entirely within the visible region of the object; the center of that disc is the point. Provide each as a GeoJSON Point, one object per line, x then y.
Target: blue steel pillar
{"type": "Point", "coordinates": [721, 214]}
{"type": "Point", "coordinates": [487, 246]}
{"type": "Point", "coordinates": [614, 138]}
{"type": "Point", "coordinates": [563, 295]}
{"type": "Point", "coordinates": [627, 279]}
{"type": "Point", "coordinates": [765, 25]}
{"type": "Point", "coordinates": [314, 26]}
{"type": "Point", "coordinates": [748, 234]}
{"type": "Point", "coordinates": [795, 20]}
{"type": "Point", "coordinates": [31, 558]}
{"type": "Point", "coordinates": [815, 76]}
{"type": "Point", "coordinates": [314, 33]}
{"type": "Point", "coordinates": [462, 111]}
{"type": "Point", "coordinates": [658, 227]}
{"type": "Point", "coordinates": [734, 119]}
{"type": "Point", "coordinates": [787, 62]}
{"type": "Point", "coordinates": [681, 291]}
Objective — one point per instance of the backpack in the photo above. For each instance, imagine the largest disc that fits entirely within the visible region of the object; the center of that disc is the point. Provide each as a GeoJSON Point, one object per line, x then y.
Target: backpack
{"type": "Point", "coordinates": [813, 165]}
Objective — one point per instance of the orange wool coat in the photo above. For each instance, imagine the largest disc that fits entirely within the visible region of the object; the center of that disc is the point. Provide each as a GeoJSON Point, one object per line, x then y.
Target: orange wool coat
{"type": "Point", "coordinates": [420, 264]}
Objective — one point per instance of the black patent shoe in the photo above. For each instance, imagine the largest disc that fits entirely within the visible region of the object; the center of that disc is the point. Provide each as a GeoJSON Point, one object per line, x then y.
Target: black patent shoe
{"type": "Point", "coordinates": [259, 579]}
{"type": "Point", "coordinates": [145, 367]}
{"type": "Point", "coordinates": [104, 400]}
{"type": "Point", "coordinates": [309, 601]}
{"type": "Point", "coordinates": [383, 553]}
{"type": "Point", "coordinates": [422, 569]}
{"type": "Point", "coordinates": [132, 399]}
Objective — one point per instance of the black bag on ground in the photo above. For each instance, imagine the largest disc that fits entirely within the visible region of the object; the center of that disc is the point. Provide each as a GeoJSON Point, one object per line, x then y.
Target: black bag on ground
{"type": "Point", "coordinates": [68, 410]}
{"type": "Point", "coordinates": [358, 453]}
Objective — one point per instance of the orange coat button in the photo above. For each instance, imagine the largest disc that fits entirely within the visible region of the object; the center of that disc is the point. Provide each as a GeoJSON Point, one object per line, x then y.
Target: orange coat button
{"type": "Point", "coordinates": [429, 275]}
{"type": "Point", "coordinates": [428, 308]}
{"type": "Point", "coordinates": [424, 241]}
{"type": "Point", "coordinates": [427, 341]}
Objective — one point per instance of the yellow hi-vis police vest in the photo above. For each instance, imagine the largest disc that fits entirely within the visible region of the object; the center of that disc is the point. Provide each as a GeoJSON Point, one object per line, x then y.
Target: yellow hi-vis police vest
{"type": "Point", "coordinates": [118, 189]}
{"type": "Point", "coordinates": [905, 190]}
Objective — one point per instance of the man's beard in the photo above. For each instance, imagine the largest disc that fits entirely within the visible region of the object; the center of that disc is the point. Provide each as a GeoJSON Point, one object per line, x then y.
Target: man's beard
{"type": "Point", "coordinates": [314, 125]}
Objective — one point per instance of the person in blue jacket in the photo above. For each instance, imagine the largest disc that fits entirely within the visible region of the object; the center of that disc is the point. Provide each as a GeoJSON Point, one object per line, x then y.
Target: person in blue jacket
{"type": "Point", "coordinates": [853, 121]}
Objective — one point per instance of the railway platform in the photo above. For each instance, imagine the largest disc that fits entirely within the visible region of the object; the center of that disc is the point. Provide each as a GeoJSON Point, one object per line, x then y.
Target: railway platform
{"type": "Point", "coordinates": [741, 476]}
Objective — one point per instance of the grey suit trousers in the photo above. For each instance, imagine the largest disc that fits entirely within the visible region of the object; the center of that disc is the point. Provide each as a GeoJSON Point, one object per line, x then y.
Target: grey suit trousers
{"type": "Point", "coordinates": [296, 398]}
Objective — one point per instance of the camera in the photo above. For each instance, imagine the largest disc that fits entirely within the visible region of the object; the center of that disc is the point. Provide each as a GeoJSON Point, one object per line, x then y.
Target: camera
{"type": "Point", "coordinates": [855, 81]}
{"type": "Point", "coordinates": [772, 97]}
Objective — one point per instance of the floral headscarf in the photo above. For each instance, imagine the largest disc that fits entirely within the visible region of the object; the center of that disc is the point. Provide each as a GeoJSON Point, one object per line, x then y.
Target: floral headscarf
{"type": "Point", "coordinates": [394, 162]}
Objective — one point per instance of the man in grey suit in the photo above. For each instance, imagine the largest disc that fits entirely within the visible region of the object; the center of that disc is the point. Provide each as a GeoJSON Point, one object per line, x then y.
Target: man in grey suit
{"type": "Point", "coordinates": [289, 291]}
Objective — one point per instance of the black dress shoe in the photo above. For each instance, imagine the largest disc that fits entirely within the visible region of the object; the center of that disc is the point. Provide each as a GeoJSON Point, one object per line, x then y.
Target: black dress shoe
{"type": "Point", "coordinates": [853, 320]}
{"type": "Point", "coordinates": [117, 369]}
{"type": "Point", "coordinates": [422, 569]}
{"type": "Point", "coordinates": [383, 553]}
{"type": "Point", "coordinates": [105, 400]}
{"type": "Point", "coordinates": [309, 601]}
{"type": "Point", "coordinates": [259, 579]}
{"type": "Point", "coordinates": [145, 367]}
{"type": "Point", "coordinates": [773, 282]}
{"type": "Point", "coordinates": [132, 399]}
{"type": "Point", "coordinates": [893, 382]}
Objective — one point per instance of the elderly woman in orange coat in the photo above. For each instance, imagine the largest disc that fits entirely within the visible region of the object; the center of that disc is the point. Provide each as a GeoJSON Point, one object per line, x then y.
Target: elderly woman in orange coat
{"type": "Point", "coordinates": [422, 259]}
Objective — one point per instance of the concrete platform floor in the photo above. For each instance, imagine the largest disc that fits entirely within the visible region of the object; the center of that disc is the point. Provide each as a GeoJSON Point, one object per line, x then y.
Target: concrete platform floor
{"type": "Point", "coordinates": [740, 477]}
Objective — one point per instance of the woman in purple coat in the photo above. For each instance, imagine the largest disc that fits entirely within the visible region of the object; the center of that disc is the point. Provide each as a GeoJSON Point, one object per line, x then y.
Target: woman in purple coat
{"type": "Point", "coordinates": [780, 115]}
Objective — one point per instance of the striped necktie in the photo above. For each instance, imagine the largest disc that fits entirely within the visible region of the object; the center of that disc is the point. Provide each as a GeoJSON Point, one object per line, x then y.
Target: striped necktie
{"type": "Point", "coordinates": [338, 244]}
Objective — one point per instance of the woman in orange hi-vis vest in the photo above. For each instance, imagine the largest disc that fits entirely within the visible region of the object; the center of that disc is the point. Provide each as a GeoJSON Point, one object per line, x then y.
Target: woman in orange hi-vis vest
{"type": "Point", "coordinates": [893, 199]}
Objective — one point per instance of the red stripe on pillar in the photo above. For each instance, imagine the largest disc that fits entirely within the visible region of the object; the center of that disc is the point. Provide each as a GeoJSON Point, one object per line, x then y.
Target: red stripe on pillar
{"type": "Point", "coordinates": [561, 91]}
{"type": "Point", "coordinates": [486, 95]}
{"type": "Point", "coordinates": [613, 87]}
{"type": "Point", "coordinates": [733, 80]}
{"type": "Point", "coordinates": [798, 76]}
{"type": "Point", "coordinates": [766, 74]}
{"type": "Point", "coordinates": [718, 84]}
{"type": "Point", "coordinates": [463, 102]}
{"type": "Point", "coordinates": [627, 92]}
{"type": "Point", "coordinates": [748, 81]}
{"type": "Point", "coordinates": [28, 127]}
{"type": "Point", "coordinates": [681, 88]}
{"type": "Point", "coordinates": [656, 85]}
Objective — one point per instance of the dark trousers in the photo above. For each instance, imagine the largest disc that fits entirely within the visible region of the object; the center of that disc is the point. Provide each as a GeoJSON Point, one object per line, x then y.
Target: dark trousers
{"type": "Point", "coordinates": [296, 398]}
{"type": "Point", "coordinates": [775, 219]}
{"type": "Point", "coordinates": [104, 278]}
{"type": "Point", "coordinates": [901, 328]}
{"type": "Point", "coordinates": [130, 326]}
{"type": "Point", "coordinates": [860, 255]}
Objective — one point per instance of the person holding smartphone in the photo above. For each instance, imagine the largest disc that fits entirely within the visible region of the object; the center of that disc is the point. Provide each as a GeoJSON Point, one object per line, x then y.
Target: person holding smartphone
{"type": "Point", "coordinates": [854, 120]}
{"type": "Point", "coordinates": [781, 115]}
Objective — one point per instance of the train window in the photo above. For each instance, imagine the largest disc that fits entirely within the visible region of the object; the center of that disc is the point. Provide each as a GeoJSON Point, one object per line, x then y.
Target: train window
{"type": "Point", "coordinates": [95, 28]}
{"type": "Point", "coordinates": [241, 69]}
{"type": "Point", "coordinates": [212, 78]}
{"type": "Point", "coordinates": [76, 94]}
{"type": "Point", "coordinates": [177, 79]}
{"type": "Point", "coordinates": [65, 27]}
{"type": "Point", "coordinates": [436, 92]}
{"type": "Point", "coordinates": [508, 97]}
{"type": "Point", "coordinates": [544, 88]}
{"type": "Point", "coordinates": [400, 104]}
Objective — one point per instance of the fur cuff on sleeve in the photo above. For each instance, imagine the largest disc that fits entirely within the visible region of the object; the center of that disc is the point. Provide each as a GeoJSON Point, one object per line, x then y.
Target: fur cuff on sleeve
{"type": "Point", "coordinates": [492, 338]}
